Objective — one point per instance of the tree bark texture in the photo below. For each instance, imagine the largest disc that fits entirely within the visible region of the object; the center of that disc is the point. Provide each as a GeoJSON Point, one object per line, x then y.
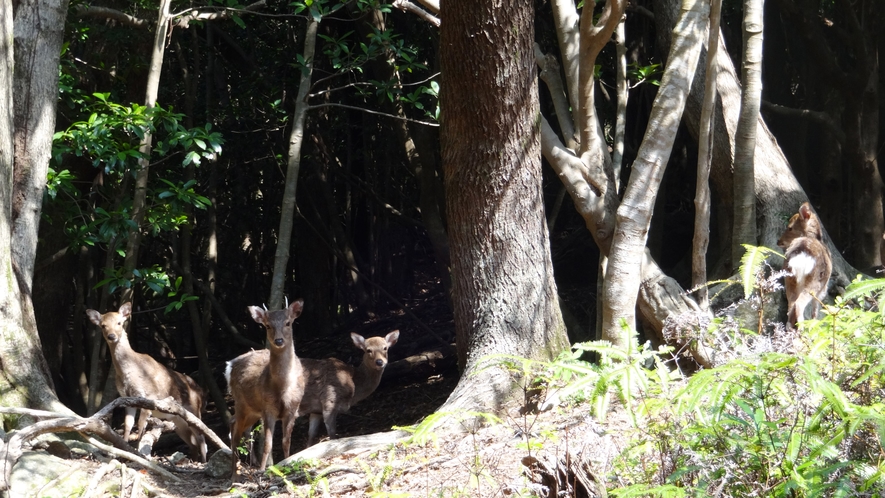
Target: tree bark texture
{"type": "Point", "coordinates": [39, 29]}
{"type": "Point", "coordinates": [744, 229]}
{"type": "Point", "coordinates": [634, 213]}
{"type": "Point", "coordinates": [24, 376]}
{"type": "Point", "coordinates": [296, 140]}
{"type": "Point", "coordinates": [504, 296]}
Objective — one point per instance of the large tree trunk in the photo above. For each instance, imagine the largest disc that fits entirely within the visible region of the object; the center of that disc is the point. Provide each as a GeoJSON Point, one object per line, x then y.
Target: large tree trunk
{"type": "Point", "coordinates": [502, 277]}
{"type": "Point", "coordinates": [24, 375]}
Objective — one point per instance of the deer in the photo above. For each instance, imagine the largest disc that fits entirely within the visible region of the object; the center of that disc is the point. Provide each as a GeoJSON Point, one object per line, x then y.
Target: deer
{"type": "Point", "coordinates": [267, 384]}
{"type": "Point", "coordinates": [808, 262]}
{"type": "Point", "coordinates": [332, 386]}
{"type": "Point", "coordinates": [137, 374]}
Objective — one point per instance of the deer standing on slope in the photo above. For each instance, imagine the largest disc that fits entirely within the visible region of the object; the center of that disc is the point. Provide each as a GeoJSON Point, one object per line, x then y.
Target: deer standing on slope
{"type": "Point", "coordinates": [333, 386]}
{"type": "Point", "coordinates": [139, 375]}
{"type": "Point", "coordinates": [267, 384]}
{"type": "Point", "coordinates": [808, 261]}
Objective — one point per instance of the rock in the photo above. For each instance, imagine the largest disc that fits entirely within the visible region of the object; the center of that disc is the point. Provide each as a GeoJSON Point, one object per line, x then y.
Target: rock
{"type": "Point", "coordinates": [218, 465]}
{"type": "Point", "coordinates": [37, 469]}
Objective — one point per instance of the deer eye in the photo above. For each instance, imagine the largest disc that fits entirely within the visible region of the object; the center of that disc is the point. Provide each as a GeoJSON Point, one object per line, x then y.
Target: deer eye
{"type": "Point", "coordinates": [288, 323]}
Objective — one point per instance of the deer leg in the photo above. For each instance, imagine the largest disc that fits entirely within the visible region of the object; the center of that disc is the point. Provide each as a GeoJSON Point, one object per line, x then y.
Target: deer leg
{"type": "Point", "coordinates": [314, 428]}
{"type": "Point", "coordinates": [288, 425]}
{"type": "Point", "coordinates": [268, 421]}
{"type": "Point", "coordinates": [330, 419]}
{"type": "Point", "coordinates": [128, 421]}
{"type": "Point", "coordinates": [142, 423]}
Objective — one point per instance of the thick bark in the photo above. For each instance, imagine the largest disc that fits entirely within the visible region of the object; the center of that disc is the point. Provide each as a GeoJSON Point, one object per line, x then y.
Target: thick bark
{"type": "Point", "coordinates": [634, 213]}
{"type": "Point", "coordinates": [24, 376]}
{"type": "Point", "coordinates": [39, 29]}
{"type": "Point", "coordinates": [502, 277]}
{"type": "Point", "coordinates": [296, 139]}
{"type": "Point", "coordinates": [744, 229]}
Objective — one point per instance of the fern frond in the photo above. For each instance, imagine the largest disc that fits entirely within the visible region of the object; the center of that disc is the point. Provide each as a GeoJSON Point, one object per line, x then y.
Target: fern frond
{"type": "Point", "coordinates": [751, 265]}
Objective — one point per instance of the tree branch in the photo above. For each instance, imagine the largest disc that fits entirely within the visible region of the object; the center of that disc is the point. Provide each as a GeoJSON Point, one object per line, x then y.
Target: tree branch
{"type": "Point", "coordinates": [407, 6]}
{"type": "Point", "coordinates": [819, 117]}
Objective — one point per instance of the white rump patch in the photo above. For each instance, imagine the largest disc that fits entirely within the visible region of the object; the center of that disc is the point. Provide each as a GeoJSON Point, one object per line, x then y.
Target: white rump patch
{"type": "Point", "coordinates": [801, 264]}
{"type": "Point", "coordinates": [227, 368]}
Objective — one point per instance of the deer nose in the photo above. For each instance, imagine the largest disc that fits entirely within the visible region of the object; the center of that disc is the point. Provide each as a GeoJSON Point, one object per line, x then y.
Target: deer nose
{"type": "Point", "coordinates": [112, 337]}
{"type": "Point", "coordinates": [278, 342]}
{"type": "Point", "coordinates": [380, 363]}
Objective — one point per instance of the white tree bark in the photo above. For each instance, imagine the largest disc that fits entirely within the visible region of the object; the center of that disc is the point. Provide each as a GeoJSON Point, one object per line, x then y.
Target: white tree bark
{"type": "Point", "coordinates": [634, 213]}
{"type": "Point", "coordinates": [744, 229]}
{"type": "Point", "coordinates": [705, 156]}
{"type": "Point", "coordinates": [296, 139]}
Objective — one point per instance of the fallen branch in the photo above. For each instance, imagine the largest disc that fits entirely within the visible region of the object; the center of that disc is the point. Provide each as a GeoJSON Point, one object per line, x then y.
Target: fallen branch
{"type": "Point", "coordinates": [128, 455]}
{"type": "Point", "coordinates": [98, 426]}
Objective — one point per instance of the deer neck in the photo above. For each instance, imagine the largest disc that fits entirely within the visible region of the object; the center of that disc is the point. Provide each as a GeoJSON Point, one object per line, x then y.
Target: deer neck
{"type": "Point", "coordinates": [121, 351]}
{"type": "Point", "coordinates": [284, 364]}
{"type": "Point", "coordinates": [365, 381]}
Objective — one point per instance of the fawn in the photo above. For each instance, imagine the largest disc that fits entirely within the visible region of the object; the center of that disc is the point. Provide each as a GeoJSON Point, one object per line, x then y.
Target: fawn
{"type": "Point", "coordinates": [267, 384]}
{"type": "Point", "coordinates": [333, 386]}
{"type": "Point", "coordinates": [138, 374]}
{"type": "Point", "coordinates": [808, 261]}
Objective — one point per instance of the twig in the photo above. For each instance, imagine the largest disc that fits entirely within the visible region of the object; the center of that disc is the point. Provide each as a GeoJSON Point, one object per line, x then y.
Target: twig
{"type": "Point", "coordinates": [363, 109]}
{"type": "Point", "coordinates": [99, 475]}
{"type": "Point", "coordinates": [133, 457]}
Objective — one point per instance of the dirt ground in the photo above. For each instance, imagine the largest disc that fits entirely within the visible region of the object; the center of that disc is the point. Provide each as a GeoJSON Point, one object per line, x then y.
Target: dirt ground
{"type": "Point", "coordinates": [487, 462]}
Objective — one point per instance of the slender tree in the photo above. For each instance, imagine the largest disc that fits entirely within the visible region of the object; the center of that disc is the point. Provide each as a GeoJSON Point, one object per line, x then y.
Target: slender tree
{"type": "Point", "coordinates": [745, 143]}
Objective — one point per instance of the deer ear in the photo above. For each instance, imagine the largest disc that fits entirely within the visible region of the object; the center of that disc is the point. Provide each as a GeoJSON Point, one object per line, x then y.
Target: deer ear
{"type": "Point", "coordinates": [358, 340]}
{"type": "Point", "coordinates": [805, 210]}
{"type": "Point", "coordinates": [126, 309]}
{"type": "Point", "coordinates": [295, 308]}
{"type": "Point", "coordinates": [392, 338]}
{"type": "Point", "coordinates": [257, 313]}
{"type": "Point", "coordinates": [94, 316]}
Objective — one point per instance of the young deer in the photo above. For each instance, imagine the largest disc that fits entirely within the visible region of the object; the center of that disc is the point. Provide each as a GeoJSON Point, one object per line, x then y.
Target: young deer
{"type": "Point", "coordinates": [333, 386]}
{"type": "Point", "coordinates": [267, 384]}
{"type": "Point", "coordinates": [808, 261]}
{"type": "Point", "coordinates": [138, 374]}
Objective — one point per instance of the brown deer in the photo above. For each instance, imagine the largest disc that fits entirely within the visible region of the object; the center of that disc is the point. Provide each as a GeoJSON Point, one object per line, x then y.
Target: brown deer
{"type": "Point", "coordinates": [267, 384]}
{"type": "Point", "coordinates": [334, 386]}
{"type": "Point", "coordinates": [808, 261]}
{"type": "Point", "coordinates": [138, 374]}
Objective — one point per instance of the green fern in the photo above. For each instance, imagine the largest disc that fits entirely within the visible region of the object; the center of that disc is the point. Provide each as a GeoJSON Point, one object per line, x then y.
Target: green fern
{"type": "Point", "coordinates": [751, 265]}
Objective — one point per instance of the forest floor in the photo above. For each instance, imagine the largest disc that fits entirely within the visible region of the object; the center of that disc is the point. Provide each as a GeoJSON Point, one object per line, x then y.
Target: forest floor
{"type": "Point", "coordinates": [486, 462]}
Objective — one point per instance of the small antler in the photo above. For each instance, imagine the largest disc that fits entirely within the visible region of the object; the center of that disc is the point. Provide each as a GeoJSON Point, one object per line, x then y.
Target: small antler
{"type": "Point", "coordinates": [287, 301]}
{"type": "Point", "coordinates": [265, 307]}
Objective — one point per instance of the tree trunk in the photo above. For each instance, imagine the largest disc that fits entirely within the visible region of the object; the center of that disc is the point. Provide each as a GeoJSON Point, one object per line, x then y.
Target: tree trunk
{"type": "Point", "coordinates": [24, 376]}
{"type": "Point", "coordinates": [296, 139]}
{"type": "Point", "coordinates": [744, 230]}
{"type": "Point", "coordinates": [777, 192]}
{"type": "Point", "coordinates": [705, 155]}
{"type": "Point", "coordinates": [634, 213]}
{"type": "Point", "coordinates": [141, 180]}
{"type": "Point", "coordinates": [502, 277]}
